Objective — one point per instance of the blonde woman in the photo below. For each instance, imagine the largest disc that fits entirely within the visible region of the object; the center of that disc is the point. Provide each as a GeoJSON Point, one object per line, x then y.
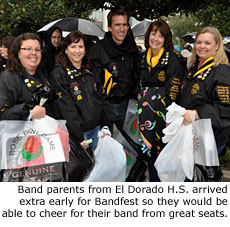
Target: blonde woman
{"type": "Point", "coordinates": [205, 92]}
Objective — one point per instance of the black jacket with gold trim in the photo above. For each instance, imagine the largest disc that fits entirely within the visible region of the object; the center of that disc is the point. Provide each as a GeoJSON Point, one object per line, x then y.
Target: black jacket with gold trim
{"type": "Point", "coordinates": [116, 67]}
{"type": "Point", "coordinates": [168, 73]}
{"type": "Point", "coordinates": [208, 94]}
{"type": "Point", "coordinates": [78, 104]}
{"type": "Point", "coordinates": [18, 95]}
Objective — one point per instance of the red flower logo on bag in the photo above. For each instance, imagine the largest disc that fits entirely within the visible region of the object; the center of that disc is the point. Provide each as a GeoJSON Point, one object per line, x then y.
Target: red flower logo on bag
{"type": "Point", "coordinates": [133, 127]}
{"type": "Point", "coordinates": [32, 148]}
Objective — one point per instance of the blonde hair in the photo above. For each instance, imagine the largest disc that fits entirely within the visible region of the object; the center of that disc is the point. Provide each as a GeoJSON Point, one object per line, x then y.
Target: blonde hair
{"type": "Point", "coordinates": [220, 55]}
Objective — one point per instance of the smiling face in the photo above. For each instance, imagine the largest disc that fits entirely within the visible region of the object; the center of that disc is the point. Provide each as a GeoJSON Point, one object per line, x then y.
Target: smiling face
{"type": "Point", "coordinates": [76, 52]}
{"type": "Point", "coordinates": [30, 55]}
{"type": "Point", "coordinates": [156, 41]}
{"type": "Point", "coordinates": [206, 46]}
{"type": "Point", "coordinates": [119, 28]}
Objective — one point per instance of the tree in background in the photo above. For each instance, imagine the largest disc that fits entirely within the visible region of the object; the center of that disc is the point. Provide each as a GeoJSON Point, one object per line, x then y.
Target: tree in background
{"type": "Point", "coordinates": [145, 9]}
{"type": "Point", "coordinates": [181, 25]}
{"type": "Point", "coordinates": [19, 16]}
{"type": "Point", "coordinates": [216, 14]}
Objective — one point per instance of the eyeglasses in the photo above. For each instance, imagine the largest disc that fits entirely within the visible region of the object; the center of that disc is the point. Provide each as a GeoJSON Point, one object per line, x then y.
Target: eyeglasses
{"type": "Point", "coordinates": [30, 49]}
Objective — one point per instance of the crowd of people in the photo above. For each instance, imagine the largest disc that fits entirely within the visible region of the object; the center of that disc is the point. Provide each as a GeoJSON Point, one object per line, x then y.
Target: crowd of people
{"type": "Point", "coordinates": [91, 89]}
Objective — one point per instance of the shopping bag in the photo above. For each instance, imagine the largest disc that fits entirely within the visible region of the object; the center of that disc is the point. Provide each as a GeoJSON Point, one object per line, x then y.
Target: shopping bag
{"type": "Point", "coordinates": [32, 149]}
{"type": "Point", "coordinates": [206, 158]}
{"type": "Point", "coordinates": [176, 160]}
{"type": "Point", "coordinates": [131, 154]}
{"type": "Point", "coordinates": [80, 164]}
{"type": "Point", "coordinates": [207, 174]}
{"type": "Point", "coordinates": [130, 126]}
{"type": "Point", "coordinates": [174, 120]}
{"type": "Point", "coordinates": [110, 160]}
{"type": "Point", "coordinates": [205, 149]}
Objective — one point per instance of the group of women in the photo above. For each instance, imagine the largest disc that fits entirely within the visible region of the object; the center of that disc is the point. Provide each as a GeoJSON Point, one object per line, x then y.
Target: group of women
{"type": "Point", "coordinates": [72, 93]}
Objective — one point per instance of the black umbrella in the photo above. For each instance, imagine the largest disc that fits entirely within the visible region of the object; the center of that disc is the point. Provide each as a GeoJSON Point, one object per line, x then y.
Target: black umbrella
{"type": "Point", "coordinates": [140, 28]}
{"type": "Point", "coordinates": [69, 24]}
{"type": "Point", "coordinates": [190, 37]}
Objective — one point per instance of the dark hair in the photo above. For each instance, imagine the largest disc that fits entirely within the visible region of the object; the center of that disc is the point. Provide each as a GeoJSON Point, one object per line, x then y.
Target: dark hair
{"type": "Point", "coordinates": [115, 12]}
{"type": "Point", "coordinates": [7, 42]}
{"type": "Point", "coordinates": [164, 29]}
{"type": "Point", "coordinates": [73, 37]}
{"type": "Point", "coordinates": [14, 63]}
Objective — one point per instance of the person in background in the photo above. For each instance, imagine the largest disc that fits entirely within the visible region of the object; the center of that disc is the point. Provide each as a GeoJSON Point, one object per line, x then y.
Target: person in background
{"type": "Point", "coordinates": [205, 92]}
{"type": "Point", "coordinates": [23, 84]}
{"type": "Point", "coordinates": [115, 66]}
{"type": "Point", "coordinates": [5, 44]}
{"type": "Point", "coordinates": [187, 54]}
{"type": "Point", "coordinates": [139, 48]}
{"type": "Point", "coordinates": [161, 75]}
{"type": "Point", "coordinates": [52, 48]}
{"type": "Point", "coordinates": [79, 103]}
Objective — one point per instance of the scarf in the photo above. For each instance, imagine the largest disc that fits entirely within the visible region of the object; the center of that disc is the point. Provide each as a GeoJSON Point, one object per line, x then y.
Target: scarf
{"type": "Point", "coordinates": [208, 64]}
{"type": "Point", "coordinates": [153, 61]}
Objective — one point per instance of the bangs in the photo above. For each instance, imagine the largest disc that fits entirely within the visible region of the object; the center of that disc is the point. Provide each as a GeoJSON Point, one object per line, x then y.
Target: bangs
{"type": "Point", "coordinates": [157, 28]}
{"type": "Point", "coordinates": [77, 40]}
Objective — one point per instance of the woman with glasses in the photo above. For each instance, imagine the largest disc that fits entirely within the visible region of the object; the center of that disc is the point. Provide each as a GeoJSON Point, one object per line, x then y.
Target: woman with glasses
{"type": "Point", "coordinates": [23, 84]}
{"type": "Point", "coordinates": [79, 103]}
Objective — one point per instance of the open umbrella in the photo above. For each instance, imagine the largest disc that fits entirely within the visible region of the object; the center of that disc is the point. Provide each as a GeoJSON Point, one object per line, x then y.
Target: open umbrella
{"type": "Point", "coordinates": [190, 37]}
{"type": "Point", "coordinates": [226, 40]}
{"type": "Point", "coordinates": [140, 28]}
{"type": "Point", "coordinates": [69, 24]}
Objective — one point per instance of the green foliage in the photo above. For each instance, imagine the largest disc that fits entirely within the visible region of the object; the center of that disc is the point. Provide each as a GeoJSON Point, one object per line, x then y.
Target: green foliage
{"type": "Point", "coordinates": [181, 25]}
{"type": "Point", "coordinates": [19, 16]}
{"type": "Point", "coordinates": [226, 156]}
{"type": "Point", "coordinates": [216, 14]}
{"type": "Point", "coordinates": [141, 9]}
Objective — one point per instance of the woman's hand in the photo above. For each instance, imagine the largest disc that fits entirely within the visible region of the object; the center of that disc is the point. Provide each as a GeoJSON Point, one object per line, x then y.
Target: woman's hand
{"type": "Point", "coordinates": [38, 112]}
{"type": "Point", "coordinates": [190, 116]}
{"type": "Point", "coordinates": [84, 144]}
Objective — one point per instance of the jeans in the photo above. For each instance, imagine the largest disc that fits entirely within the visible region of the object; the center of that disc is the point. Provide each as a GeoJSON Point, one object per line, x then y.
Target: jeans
{"type": "Point", "coordinates": [92, 134]}
{"type": "Point", "coordinates": [116, 113]}
{"type": "Point", "coordinates": [153, 176]}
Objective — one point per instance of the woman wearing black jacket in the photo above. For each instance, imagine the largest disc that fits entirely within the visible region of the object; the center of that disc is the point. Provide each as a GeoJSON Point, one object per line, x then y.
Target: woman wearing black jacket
{"type": "Point", "coordinates": [79, 102]}
{"type": "Point", "coordinates": [23, 83]}
{"type": "Point", "coordinates": [205, 92]}
{"type": "Point", "coordinates": [52, 48]}
{"type": "Point", "coordinates": [161, 77]}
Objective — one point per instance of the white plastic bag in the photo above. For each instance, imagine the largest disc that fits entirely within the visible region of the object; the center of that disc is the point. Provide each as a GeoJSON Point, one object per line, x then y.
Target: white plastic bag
{"type": "Point", "coordinates": [131, 122]}
{"type": "Point", "coordinates": [176, 161]}
{"type": "Point", "coordinates": [174, 119]}
{"type": "Point", "coordinates": [205, 150]}
{"type": "Point", "coordinates": [36, 149]}
{"type": "Point", "coordinates": [131, 154]}
{"type": "Point", "coordinates": [110, 160]}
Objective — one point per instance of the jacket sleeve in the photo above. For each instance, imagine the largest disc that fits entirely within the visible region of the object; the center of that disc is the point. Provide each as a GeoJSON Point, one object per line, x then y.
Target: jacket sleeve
{"type": "Point", "coordinates": [65, 103]}
{"type": "Point", "coordinates": [175, 76]}
{"type": "Point", "coordinates": [9, 93]}
{"type": "Point", "coordinates": [217, 107]}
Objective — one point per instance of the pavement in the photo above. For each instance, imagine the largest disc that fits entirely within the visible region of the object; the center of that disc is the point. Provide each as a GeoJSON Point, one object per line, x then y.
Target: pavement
{"type": "Point", "coordinates": [225, 166]}
{"type": "Point", "coordinates": [226, 174]}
